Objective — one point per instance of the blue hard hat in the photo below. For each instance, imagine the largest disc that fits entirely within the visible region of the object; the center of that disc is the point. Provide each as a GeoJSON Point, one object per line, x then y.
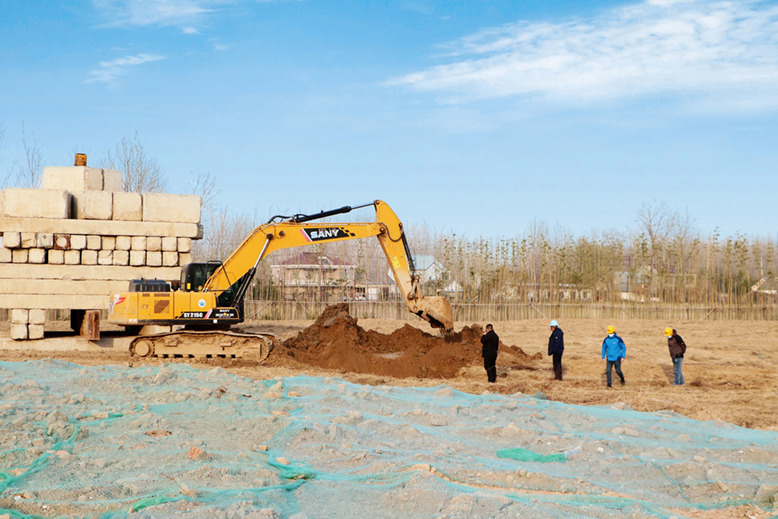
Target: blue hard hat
{"type": "Point", "coordinates": [554, 323]}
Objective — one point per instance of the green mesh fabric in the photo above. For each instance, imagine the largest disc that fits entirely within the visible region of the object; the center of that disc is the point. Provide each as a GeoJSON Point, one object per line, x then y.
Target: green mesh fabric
{"type": "Point", "coordinates": [174, 441]}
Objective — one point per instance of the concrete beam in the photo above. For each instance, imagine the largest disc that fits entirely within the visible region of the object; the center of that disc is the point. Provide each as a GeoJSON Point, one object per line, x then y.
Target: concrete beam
{"type": "Point", "coordinates": [165, 207]}
{"type": "Point", "coordinates": [84, 272]}
{"type": "Point", "coordinates": [18, 202]}
{"type": "Point", "coordinates": [72, 178]}
{"type": "Point", "coordinates": [128, 207]}
{"type": "Point", "coordinates": [92, 205]}
{"type": "Point", "coordinates": [60, 287]}
{"type": "Point", "coordinates": [112, 180]}
{"type": "Point", "coordinates": [49, 301]}
{"type": "Point", "coordinates": [100, 227]}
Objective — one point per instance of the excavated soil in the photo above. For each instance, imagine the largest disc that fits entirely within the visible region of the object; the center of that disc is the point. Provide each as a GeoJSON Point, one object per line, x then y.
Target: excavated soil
{"type": "Point", "coordinates": [335, 341]}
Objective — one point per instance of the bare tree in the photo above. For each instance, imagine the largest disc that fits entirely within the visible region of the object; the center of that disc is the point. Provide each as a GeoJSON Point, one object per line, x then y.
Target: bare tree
{"type": "Point", "coordinates": [28, 171]}
{"type": "Point", "coordinates": [223, 235]}
{"type": "Point", "coordinates": [7, 176]}
{"type": "Point", "coordinates": [141, 173]}
{"type": "Point", "coordinates": [204, 185]}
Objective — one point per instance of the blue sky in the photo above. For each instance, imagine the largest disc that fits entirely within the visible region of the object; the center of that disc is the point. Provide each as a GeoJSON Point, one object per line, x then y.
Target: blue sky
{"type": "Point", "coordinates": [476, 117]}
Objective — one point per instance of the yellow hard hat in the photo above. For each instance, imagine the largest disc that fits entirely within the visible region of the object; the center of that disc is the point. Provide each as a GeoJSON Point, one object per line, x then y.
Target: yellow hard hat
{"type": "Point", "coordinates": [611, 329]}
{"type": "Point", "coordinates": [668, 332]}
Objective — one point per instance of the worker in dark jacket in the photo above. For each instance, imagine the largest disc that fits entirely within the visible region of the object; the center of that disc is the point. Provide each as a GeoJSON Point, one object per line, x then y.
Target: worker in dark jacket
{"type": "Point", "coordinates": [490, 342]}
{"type": "Point", "coordinates": [677, 349]}
{"type": "Point", "coordinates": [556, 346]}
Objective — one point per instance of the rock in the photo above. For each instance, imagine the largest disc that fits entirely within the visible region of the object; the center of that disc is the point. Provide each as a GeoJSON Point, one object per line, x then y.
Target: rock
{"type": "Point", "coordinates": [682, 438]}
{"type": "Point", "coordinates": [283, 461]}
{"type": "Point", "coordinates": [262, 448]}
{"type": "Point", "coordinates": [445, 392]}
{"type": "Point", "coordinates": [540, 395]}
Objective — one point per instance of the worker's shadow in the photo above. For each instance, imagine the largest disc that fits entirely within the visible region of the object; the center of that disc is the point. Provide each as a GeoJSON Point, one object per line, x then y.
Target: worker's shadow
{"type": "Point", "coordinates": [668, 371]}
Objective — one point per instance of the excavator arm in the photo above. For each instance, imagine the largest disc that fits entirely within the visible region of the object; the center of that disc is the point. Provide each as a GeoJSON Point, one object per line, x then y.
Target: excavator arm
{"type": "Point", "coordinates": [239, 269]}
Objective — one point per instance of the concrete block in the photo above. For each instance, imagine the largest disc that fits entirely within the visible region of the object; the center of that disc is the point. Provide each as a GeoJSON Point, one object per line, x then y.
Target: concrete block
{"type": "Point", "coordinates": [20, 316]}
{"type": "Point", "coordinates": [92, 205]}
{"type": "Point", "coordinates": [94, 242]}
{"type": "Point", "coordinates": [169, 244]}
{"type": "Point", "coordinates": [101, 227]}
{"type": "Point", "coordinates": [61, 241]}
{"type": "Point", "coordinates": [123, 243]}
{"type": "Point", "coordinates": [169, 259]}
{"type": "Point", "coordinates": [112, 180]}
{"type": "Point", "coordinates": [154, 243]}
{"type": "Point", "coordinates": [29, 240]}
{"type": "Point", "coordinates": [34, 331]}
{"type": "Point", "coordinates": [6, 255]}
{"type": "Point", "coordinates": [35, 203]}
{"type": "Point", "coordinates": [19, 332]}
{"type": "Point", "coordinates": [20, 255]}
{"type": "Point", "coordinates": [56, 257]}
{"type": "Point", "coordinates": [184, 244]}
{"type": "Point", "coordinates": [89, 257]}
{"type": "Point", "coordinates": [154, 259]}
{"type": "Point", "coordinates": [72, 178]}
{"type": "Point", "coordinates": [77, 241]}
{"type": "Point", "coordinates": [138, 243]}
{"type": "Point", "coordinates": [121, 257]}
{"type": "Point", "coordinates": [164, 207]}
{"type": "Point", "coordinates": [37, 316]}
{"type": "Point", "coordinates": [137, 258]}
{"type": "Point", "coordinates": [184, 258]}
{"type": "Point", "coordinates": [45, 240]}
{"type": "Point", "coordinates": [128, 207]}
{"type": "Point", "coordinates": [37, 256]}
{"type": "Point", "coordinates": [105, 257]}
{"type": "Point", "coordinates": [109, 242]}
{"type": "Point", "coordinates": [72, 257]}
{"type": "Point", "coordinates": [12, 240]}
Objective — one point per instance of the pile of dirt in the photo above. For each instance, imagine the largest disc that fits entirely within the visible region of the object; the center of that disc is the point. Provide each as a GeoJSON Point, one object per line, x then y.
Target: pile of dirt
{"type": "Point", "coordinates": [336, 341]}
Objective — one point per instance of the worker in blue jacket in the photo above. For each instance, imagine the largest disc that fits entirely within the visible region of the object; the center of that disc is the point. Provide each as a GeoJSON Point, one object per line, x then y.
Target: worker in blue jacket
{"type": "Point", "coordinates": [613, 352]}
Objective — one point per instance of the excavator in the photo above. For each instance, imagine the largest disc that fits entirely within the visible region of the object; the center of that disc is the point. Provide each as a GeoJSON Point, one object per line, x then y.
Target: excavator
{"type": "Point", "coordinates": [208, 299]}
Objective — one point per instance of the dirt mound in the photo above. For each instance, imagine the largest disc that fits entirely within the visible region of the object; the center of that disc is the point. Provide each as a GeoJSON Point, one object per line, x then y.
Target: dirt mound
{"type": "Point", "coordinates": [336, 341]}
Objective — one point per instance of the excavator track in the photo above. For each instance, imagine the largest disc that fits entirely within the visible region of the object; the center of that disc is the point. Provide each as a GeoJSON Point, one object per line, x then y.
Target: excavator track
{"type": "Point", "coordinates": [205, 344]}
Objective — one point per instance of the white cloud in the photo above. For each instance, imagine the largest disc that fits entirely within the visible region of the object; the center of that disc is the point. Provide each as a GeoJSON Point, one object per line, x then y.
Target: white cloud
{"type": "Point", "coordinates": [719, 51]}
{"type": "Point", "coordinates": [189, 30]}
{"type": "Point", "coordinates": [155, 12]}
{"type": "Point", "coordinates": [110, 70]}
{"type": "Point", "coordinates": [220, 47]}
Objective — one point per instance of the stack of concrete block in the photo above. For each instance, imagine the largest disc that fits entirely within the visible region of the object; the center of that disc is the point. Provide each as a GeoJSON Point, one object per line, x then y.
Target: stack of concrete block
{"type": "Point", "coordinates": [27, 324]}
{"type": "Point", "coordinates": [78, 239]}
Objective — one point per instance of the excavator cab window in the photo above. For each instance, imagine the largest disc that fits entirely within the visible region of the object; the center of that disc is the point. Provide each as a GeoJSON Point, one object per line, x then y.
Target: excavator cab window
{"type": "Point", "coordinates": [194, 275]}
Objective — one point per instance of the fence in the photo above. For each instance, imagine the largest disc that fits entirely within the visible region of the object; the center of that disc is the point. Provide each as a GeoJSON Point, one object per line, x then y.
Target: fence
{"type": "Point", "coordinates": [470, 312]}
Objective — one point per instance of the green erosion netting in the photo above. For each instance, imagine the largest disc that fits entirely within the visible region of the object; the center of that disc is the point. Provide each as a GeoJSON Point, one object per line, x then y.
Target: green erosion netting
{"type": "Point", "coordinates": [74, 443]}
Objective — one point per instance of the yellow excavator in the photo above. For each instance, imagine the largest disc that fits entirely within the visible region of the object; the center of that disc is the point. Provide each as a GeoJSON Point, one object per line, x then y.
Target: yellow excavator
{"type": "Point", "coordinates": [210, 295]}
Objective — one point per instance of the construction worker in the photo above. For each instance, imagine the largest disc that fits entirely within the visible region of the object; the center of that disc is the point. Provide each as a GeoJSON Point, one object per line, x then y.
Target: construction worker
{"type": "Point", "coordinates": [677, 348]}
{"type": "Point", "coordinates": [613, 352]}
{"type": "Point", "coordinates": [556, 347]}
{"type": "Point", "coordinates": [490, 342]}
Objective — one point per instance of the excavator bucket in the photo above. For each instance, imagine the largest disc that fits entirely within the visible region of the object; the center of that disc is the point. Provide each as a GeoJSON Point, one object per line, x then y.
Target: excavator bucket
{"type": "Point", "coordinates": [437, 311]}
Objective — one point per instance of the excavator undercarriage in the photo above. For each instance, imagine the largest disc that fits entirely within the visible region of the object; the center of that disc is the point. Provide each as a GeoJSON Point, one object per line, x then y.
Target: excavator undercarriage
{"type": "Point", "coordinates": [205, 344]}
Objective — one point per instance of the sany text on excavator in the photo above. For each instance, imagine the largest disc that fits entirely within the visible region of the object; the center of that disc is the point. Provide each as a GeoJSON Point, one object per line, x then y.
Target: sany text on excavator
{"type": "Point", "coordinates": [210, 296]}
